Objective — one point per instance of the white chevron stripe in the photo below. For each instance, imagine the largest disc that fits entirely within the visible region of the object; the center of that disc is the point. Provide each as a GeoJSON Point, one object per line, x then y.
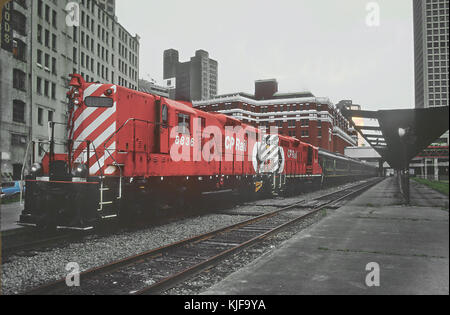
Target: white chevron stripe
{"type": "Point", "coordinates": [268, 153]}
{"type": "Point", "coordinates": [94, 125]}
{"type": "Point", "coordinates": [102, 138]}
{"type": "Point", "coordinates": [82, 157]}
{"type": "Point", "coordinates": [84, 115]}
{"type": "Point", "coordinates": [101, 162]}
{"type": "Point", "coordinates": [88, 111]}
{"type": "Point", "coordinates": [91, 90]}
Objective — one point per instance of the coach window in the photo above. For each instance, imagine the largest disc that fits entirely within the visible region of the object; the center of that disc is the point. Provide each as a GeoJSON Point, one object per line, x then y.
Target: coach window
{"type": "Point", "coordinates": [184, 123]}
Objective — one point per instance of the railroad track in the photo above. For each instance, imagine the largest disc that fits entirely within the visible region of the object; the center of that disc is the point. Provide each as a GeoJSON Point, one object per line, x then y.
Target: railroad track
{"type": "Point", "coordinates": [158, 270]}
{"type": "Point", "coordinates": [27, 244]}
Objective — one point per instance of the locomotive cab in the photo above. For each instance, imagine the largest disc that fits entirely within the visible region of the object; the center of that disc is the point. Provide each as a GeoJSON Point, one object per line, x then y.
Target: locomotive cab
{"type": "Point", "coordinates": [69, 190]}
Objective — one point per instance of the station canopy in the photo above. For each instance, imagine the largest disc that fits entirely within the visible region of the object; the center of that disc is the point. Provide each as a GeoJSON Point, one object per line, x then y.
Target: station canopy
{"type": "Point", "coordinates": [400, 135]}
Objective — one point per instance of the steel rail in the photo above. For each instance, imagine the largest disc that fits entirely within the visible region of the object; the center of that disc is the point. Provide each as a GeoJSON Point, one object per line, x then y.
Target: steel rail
{"type": "Point", "coordinates": [34, 245]}
{"type": "Point", "coordinates": [170, 281]}
{"type": "Point", "coordinates": [60, 285]}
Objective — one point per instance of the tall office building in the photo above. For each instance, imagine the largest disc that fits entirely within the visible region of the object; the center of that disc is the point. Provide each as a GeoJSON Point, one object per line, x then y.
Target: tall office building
{"type": "Point", "coordinates": [35, 66]}
{"type": "Point", "coordinates": [431, 48]}
{"type": "Point", "coordinates": [431, 52]}
{"type": "Point", "coordinates": [196, 79]}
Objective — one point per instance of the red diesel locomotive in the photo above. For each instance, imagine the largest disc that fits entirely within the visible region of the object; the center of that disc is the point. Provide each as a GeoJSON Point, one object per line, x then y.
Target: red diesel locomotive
{"type": "Point", "coordinates": [131, 152]}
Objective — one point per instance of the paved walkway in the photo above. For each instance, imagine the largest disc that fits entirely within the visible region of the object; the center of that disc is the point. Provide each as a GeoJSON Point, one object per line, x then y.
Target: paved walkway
{"type": "Point", "coordinates": [410, 244]}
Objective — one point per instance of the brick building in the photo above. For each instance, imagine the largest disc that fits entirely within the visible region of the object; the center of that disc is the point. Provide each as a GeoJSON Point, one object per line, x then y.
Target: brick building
{"type": "Point", "coordinates": [311, 119]}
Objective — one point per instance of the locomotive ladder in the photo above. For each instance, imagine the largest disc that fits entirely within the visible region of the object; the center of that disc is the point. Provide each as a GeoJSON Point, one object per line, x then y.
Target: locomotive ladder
{"type": "Point", "coordinates": [107, 205]}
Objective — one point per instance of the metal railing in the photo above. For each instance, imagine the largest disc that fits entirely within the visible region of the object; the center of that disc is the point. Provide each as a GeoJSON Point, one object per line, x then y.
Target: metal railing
{"type": "Point", "coordinates": [134, 143]}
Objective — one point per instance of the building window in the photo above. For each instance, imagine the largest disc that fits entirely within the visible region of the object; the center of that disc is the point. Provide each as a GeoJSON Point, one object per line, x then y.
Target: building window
{"type": "Point", "coordinates": [46, 88]}
{"type": "Point", "coordinates": [39, 57]}
{"type": "Point", "coordinates": [39, 34]}
{"type": "Point", "coordinates": [19, 78]}
{"type": "Point", "coordinates": [40, 116]}
{"type": "Point", "coordinates": [54, 42]}
{"type": "Point", "coordinates": [53, 65]}
{"type": "Point", "coordinates": [75, 34]}
{"type": "Point", "coordinates": [39, 8]}
{"type": "Point", "coordinates": [47, 38]}
{"type": "Point", "coordinates": [39, 86]}
{"type": "Point", "coordinates": [47, 13]}
{"type": "Point", "coordinates": [18, 22]}
{"type": "Point", "coordinates": [50, 116]}
{"type": "Point", "coordinates": [54, 19]}
{"type": "Point", "coordinates": [75, 53]}
{"type": "Point", "coordinates": [18, 140]}
{"type": "Point", "coordinates": [18, 111]}
{"type": "Point", "coordinates": [53, 91]}
{"type": "Point", "coordinates": [47, 62]}
{"type": "Point", "coordinates": [19, 50]}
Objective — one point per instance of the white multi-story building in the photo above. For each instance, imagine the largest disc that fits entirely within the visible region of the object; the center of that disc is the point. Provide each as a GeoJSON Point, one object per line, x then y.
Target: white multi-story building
{"type": "Point", "coordinates": [59, 38]}
{"type": "Point", "coordinates": [431, 49]}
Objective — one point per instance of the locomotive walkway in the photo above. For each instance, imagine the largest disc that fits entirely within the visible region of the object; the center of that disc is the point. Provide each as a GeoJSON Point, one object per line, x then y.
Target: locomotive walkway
{"type": "Point", "coordinates": [410, 244]}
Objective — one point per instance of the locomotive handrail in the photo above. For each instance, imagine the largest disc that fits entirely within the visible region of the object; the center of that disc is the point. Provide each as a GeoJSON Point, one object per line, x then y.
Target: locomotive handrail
{"type": "Point", "coordinates": [115, 133]}
{"type": "Point", "coordinates": [23, 170]}
{"type": "Point", "coordinates": [27, 152]}
{"type": "Point", "coordinates": [125, 123]}
{"type": "Point", "coordinates": [120, 173]}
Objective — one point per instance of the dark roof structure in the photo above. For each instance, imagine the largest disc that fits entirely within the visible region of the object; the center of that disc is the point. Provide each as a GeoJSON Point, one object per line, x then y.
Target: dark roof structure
{"type": "Point", "coordinates": [402, 134]}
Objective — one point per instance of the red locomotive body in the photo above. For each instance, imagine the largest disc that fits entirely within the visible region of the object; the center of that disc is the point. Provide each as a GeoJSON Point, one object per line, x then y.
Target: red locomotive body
{"type": "Point", "coordinates": [129, 152]}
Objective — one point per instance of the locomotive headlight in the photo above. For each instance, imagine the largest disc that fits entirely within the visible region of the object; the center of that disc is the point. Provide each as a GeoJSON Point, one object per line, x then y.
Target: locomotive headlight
{"type": "Point", "coordinates": [76, 101]}
{"type": "Point", "coordinates": [76, 93]}
{"type": "Point", "coordinates": [36, 169]}
{"type": "Point", "coordinates": [81, 171]}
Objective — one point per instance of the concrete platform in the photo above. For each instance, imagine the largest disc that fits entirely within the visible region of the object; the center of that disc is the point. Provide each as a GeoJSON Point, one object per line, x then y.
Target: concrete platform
{"type": "Point", "coordinates": [410, 245]}
{"type": "Point", "coordinates": [9, 215]}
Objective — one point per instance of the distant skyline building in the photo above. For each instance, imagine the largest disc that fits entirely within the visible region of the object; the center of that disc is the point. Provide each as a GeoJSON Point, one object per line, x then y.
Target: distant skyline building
{"type": "Point", "coordinates": [196, 79]}
{"type": "Point", "coordinates": [431, 52]}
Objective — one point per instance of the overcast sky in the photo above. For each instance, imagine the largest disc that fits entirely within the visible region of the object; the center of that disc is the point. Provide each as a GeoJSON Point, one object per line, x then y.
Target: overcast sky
{"type": "Point", "coordinates": [324, 46]}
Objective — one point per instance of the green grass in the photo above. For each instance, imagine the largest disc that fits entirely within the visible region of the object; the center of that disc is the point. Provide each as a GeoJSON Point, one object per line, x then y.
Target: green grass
{"type": "Point", "coordinates": [439, 186]}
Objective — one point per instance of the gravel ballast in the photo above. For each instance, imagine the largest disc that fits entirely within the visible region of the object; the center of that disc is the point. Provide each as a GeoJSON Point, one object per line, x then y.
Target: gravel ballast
{"type": "Point", "coordinates": [20, 274]}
